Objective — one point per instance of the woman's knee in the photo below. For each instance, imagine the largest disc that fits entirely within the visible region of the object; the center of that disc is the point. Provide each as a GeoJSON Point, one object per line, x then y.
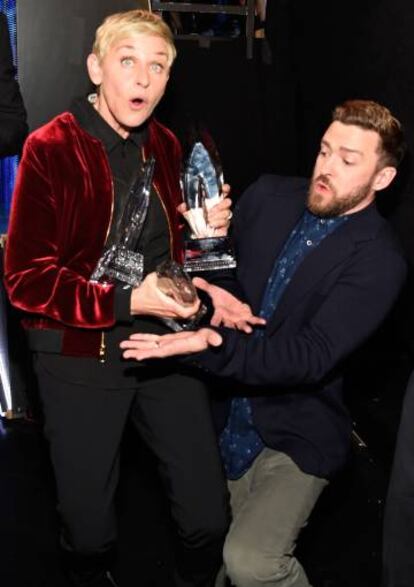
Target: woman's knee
{"type": "Point", "coordinates": [199, 532]}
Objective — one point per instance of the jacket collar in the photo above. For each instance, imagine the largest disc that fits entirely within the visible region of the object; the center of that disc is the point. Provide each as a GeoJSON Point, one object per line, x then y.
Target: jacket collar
{"type": "Point", "coordinates": [92, 122]}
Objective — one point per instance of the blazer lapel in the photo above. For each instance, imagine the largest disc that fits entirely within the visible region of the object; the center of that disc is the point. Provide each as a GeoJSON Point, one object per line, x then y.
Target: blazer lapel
{"type": "Point", "coordinates": [268, 237]}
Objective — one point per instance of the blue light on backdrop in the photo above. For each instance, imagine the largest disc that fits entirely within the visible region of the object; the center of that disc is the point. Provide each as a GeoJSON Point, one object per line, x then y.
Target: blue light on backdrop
{"type": "Point", "coordinates": [8, 165]}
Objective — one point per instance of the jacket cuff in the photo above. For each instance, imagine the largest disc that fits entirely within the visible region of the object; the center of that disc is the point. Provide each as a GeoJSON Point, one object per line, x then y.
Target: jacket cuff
{"type": "Point", "coordinates": [211, 359]}
{"type": "Point", "coordinates": [122, 303]}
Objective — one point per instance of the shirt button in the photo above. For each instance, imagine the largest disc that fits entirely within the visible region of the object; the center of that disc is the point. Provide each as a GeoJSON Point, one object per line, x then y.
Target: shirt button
{"type": "Point", "coordinates": [309, 243]}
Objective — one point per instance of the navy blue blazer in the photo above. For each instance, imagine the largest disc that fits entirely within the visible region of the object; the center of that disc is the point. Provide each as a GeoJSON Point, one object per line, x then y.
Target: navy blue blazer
{"type": "Point", "coordinates": [336, 299]}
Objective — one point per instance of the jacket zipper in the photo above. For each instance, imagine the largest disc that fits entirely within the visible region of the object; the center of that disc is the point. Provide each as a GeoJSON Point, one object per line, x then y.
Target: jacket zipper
{"type": "Point", "coordinates": [102, 349]}
{"type": "Point", "coordinates": [102, 346]}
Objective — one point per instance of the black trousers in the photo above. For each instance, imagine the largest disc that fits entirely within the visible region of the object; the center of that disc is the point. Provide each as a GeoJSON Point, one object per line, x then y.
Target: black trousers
{"type": "Point", "coordinates": [84, 426]}
{"type": "Point", "coordinates": [398, 536]}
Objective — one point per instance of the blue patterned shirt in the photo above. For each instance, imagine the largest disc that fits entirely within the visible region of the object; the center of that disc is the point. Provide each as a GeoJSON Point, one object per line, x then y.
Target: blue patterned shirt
{"type": "Point", "coordinates": [240, 443]}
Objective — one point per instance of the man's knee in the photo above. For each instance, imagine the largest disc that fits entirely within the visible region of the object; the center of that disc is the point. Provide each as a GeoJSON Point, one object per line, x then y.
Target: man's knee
{"type": "Point", "coordinates": [248, 567]}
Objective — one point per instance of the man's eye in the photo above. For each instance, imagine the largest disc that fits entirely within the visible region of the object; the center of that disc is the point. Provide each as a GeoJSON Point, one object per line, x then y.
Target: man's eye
{"type": "Point", "coordinates": [157, 67]}
{"type": "Point", "coordinates": [127, 61]}
{"type": "Point", "coordinates": [323, 153]}
{"type": "Point", "coordinates": [347, 162]}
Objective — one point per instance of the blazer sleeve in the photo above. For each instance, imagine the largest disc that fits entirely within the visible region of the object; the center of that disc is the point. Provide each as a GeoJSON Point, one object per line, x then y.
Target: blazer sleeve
{"type": "Point", "coordinates": [36, 277]}
{"type": "Point", "coordinates": [351, 311]}
{"type": "Point", "coordinates": [13, 127]}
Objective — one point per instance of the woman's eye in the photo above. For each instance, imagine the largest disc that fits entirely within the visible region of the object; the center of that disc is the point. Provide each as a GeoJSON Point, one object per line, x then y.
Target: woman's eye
{"type": "Point", "coordinates": [157, 67]}
{"type": "Point", "coordinates": [127, 61]}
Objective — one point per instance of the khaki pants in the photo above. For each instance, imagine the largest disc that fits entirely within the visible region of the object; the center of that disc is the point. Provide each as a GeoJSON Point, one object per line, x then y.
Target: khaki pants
{"type": "Point", "coordinates": [271, 503]}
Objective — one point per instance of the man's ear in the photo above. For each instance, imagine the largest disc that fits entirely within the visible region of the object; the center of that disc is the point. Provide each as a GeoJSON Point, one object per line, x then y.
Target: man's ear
{"type": "Point", "coordinates": [94, 69]}
{"type": "Point", "coordinates": [383, 178]}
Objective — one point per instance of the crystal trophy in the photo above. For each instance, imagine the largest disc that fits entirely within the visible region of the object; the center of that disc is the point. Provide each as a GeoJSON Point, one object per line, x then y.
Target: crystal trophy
{"type": "Point", "coordinates": [122, 262]}
{"type": "Point", "coordinates": [202, 180]}
{"type": "Point", "coordinates": [174, 282]}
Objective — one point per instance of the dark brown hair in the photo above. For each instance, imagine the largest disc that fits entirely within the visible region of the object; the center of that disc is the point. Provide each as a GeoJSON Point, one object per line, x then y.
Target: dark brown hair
{"type": "Point", "coordinates": [373, 116]}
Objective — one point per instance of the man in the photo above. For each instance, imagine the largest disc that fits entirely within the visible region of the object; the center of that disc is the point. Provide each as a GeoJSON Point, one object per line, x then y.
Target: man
{"type": "Point", "coordinates": [71, 189]}
{"type": "Point", "coordinates": [323, 268]}
{"type": "Point", "coordinates": [13, 127]}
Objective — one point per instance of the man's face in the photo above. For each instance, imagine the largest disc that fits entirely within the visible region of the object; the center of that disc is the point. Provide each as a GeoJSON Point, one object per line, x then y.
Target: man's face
{"type": "Point", "coordinates": [131, 77]}
{"type": "Point", "coordinates": [346, 174]}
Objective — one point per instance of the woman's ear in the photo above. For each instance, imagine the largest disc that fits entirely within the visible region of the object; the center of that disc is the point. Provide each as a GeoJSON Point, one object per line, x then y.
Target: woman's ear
{"type": "Point", "coordinates": [94, 69]}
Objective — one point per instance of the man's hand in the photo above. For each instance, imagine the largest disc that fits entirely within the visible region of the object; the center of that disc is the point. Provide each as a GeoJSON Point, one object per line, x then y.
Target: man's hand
{"type": "Point", "coordinates": [228, 310]}
{"type": "Point", "coordinates": [149, 300]}
{"type": "Point", "coordinates": [154, 346]}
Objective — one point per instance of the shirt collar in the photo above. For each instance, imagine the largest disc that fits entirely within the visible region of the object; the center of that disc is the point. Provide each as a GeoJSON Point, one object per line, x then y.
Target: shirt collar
{"type": "Point", "coordinates": [93, 123]}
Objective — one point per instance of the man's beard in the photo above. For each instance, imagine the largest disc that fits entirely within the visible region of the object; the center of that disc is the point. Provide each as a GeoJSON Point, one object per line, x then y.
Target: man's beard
{"type": "Point", "coordinates": [335, 206]}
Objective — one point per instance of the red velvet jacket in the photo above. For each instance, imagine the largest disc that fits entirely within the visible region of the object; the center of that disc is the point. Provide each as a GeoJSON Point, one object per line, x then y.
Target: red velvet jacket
{"type": "Point", "coordinates": [60, 218]}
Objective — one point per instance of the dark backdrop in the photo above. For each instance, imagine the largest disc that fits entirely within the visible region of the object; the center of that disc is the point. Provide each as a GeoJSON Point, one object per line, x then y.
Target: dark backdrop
{"type": "Point", "coordinates": [54, 38]}
{"type": "Point", "coordinates": [266, 114]}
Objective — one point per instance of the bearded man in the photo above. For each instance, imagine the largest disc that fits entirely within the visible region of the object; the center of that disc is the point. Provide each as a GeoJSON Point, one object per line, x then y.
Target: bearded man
{"type": "Point", "coordinates": [323, 268]}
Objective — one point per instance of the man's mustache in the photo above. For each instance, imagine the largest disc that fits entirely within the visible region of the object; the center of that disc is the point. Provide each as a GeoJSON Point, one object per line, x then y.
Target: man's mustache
{"type": "Point", "coordinates": [324, 179]}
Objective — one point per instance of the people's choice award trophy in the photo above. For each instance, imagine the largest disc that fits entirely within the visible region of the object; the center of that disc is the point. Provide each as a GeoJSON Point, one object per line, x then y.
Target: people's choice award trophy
{"type": "Point", "coordinates": [122, 263]}
{"type": "Point", "coordinates": [174, 282]}
{"type": "Point", "coordinates": [202, 181]}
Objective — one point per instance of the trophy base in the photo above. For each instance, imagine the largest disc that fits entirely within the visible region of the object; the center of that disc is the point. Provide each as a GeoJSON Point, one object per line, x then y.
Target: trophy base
{"type": "Point", "coordinates": [120, 264]}
{"type": "Point", "coordinates": [209, 254]}
{"type": "Point", "coordinates": [190, 324]}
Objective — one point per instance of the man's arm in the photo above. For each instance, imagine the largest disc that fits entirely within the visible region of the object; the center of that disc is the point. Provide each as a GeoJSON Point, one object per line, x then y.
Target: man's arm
{"type": "Point", "coordinates": [13, 127]}
{"type": "Point", "coordinates": [345, 318]}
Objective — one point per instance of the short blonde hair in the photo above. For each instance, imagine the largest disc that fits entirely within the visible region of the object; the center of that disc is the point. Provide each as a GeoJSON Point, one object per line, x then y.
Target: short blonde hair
{"type": "Point", "coordinates": [128, 24]}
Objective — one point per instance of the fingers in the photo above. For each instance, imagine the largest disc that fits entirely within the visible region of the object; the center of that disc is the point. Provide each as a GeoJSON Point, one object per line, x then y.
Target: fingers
{"type": "Point", "coordinates": [202, 284]}
{"type": "Point", "coordinates": [256, 321]}
{"type": "Point", "coordinates": [146, 337]}
{"type": "Point", "coordinates": [244, 327]}
{"type": "Point", "coordinates": [185, 312]}
{"type": "Point", "coordinates": [181, 208]}
{"type": "Point", "coordinates": [148, 299]}
{"type": "Point", "coordinates": [141, 347]}
{"type": "Point", "coordinates": [219, 215]}
{"type": "Point", "coordinates": [225, 190]}
{"type": "Point", "coordinates": [216, 319]}
{"type": "Point", "coordinates": [142, 355]}
{"type": "Point", "coordinates": [246, 324]}
{"type": "Point", "coordinates": [213, 338]}
{"type": "Point", "coordinates": [242, 323]}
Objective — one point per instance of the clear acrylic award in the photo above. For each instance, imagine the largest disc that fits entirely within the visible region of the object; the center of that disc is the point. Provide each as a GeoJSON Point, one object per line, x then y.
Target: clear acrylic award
{"type": "Point", "coordinates": [174, 282]}
{"type": "Point", "coordinates": [122, 262]}
{"type": "Point", "coordinates": [202, 180]}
